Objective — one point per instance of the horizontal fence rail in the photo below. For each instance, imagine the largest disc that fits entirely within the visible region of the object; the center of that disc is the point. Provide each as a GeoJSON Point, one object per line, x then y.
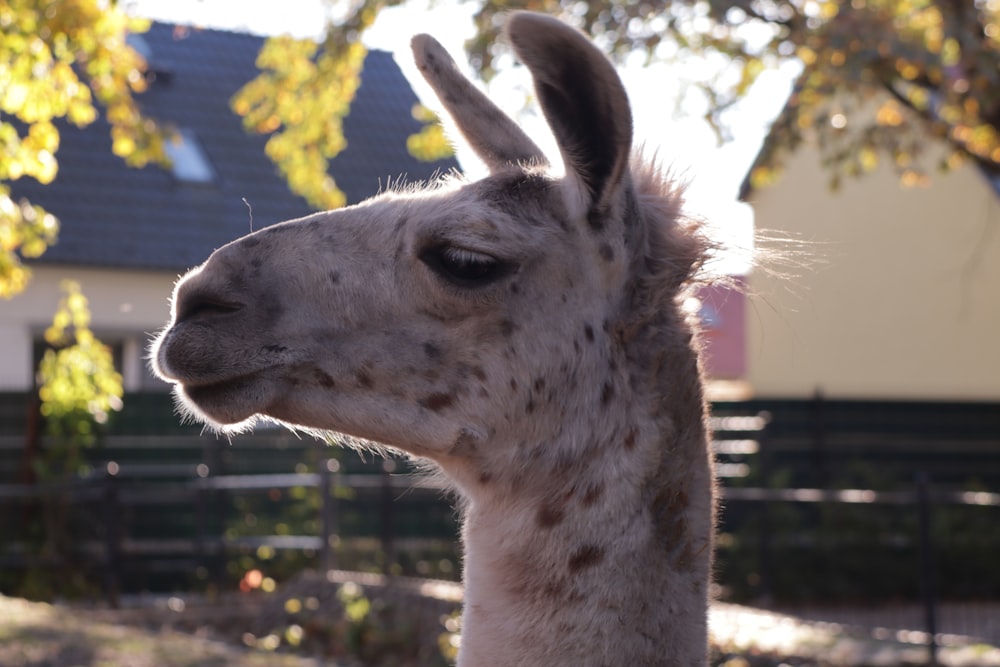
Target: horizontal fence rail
{"type": "Point", "coordinates": [860, 496]}
{"type": "Point", "coordinates": [90, 488]}
{"type": "Point", "coordinates": [780, 462]}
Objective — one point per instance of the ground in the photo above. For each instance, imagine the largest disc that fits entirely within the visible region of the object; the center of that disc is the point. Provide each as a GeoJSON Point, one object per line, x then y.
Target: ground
{"type": "Point", "coordinates": [41, 635]}
{"type": "Point", "coordinates": [308, 615]}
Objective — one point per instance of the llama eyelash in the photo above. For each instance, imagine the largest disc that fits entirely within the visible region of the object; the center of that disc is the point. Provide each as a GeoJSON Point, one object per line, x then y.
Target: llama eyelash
{"type": "Point", "coordinates": [465, 268]}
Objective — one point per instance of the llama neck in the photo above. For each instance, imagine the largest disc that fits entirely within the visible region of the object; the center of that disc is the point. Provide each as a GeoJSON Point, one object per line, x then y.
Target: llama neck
{"type": "Point", "coordinates": [598, 554]}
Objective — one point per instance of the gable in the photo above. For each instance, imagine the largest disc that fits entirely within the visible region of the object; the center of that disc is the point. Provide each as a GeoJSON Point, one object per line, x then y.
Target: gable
{"type": "Point", "coordinates": [988, 171]}
{"type": "Point", "coordinates": [889, 293]}
{"type": "Point", "coordinates": [114, 216]}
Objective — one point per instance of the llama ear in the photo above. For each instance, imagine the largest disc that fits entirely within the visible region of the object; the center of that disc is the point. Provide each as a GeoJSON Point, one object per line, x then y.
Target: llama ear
{"type": "Point", "coordinates": [497, 139]}
{"type": "Point", "coordinates": [584, 103]}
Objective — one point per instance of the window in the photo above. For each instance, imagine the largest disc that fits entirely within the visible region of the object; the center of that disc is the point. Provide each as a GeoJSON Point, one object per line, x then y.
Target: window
{"type": "Point", "coordinates": [129, 355]}
{"type": "Point", "coordinates": [189, 163]}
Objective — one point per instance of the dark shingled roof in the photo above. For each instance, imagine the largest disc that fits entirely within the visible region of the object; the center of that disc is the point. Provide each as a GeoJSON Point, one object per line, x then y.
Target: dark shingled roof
{"type": "Point", "coordinates": [115, 216]}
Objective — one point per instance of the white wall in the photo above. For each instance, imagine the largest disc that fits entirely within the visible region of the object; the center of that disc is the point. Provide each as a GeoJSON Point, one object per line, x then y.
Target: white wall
{"type": "Point", "coordinates": [128, 306]}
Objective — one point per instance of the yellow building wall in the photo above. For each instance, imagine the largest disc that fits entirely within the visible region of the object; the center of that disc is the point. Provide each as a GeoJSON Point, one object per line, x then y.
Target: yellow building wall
{"type": "Point", "coordinates": [127, 305]}
{"type": "Point", "coordinates": [897, 294]}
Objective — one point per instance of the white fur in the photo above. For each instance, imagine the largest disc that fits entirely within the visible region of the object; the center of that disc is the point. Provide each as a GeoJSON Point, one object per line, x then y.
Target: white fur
{"type": "Point", "coordinates": [561, 395]}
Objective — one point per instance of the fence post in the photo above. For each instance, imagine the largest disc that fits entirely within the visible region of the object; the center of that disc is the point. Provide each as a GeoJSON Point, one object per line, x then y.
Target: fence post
{"type": "Point", "coordinates": [201, 549]}
{"type": "Point", "coordinates": [927, 565]}
{"type": "Point", "coordinates": [112, 532]}
{"type": "Point", "coordinates": [386, 507]}
{"type": "Point", "coordinates": [329, 472]}
{"type": "Point", "coordinates": [818, 413]}
{"type": "Point", "coordinates": [215, 514]}
{"type": "Point", "coordinates": [764, 538]}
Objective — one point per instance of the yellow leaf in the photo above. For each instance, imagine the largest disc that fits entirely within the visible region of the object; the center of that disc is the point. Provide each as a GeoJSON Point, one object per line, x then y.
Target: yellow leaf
{"type": "Point", "coordinates": [890, 114]}
{"type": "Point", "coordinates": [430, 144]}
{"type": "Point", "coordinates": [123, 145]}
{"type": "Point", "coordinates": [951, 52]}
{"type": "Point", "coordinates": [913, 179]}
{"type": "Point", "coordinates": [868, 158]}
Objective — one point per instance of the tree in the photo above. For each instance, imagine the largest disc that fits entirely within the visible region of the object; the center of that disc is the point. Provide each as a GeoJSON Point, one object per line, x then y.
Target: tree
{"type": "Point", "coordinates": [60, 59]}
{"type": "Point", "coordinates": [303, 94]}
{"type": "Point", "coordinates": [65, 59]}
{"type": "Point", "coordinates": [879, 76]}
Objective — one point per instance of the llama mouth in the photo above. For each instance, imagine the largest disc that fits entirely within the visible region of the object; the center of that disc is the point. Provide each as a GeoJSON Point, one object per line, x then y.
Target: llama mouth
{"type": "Point", "coordinates": [229, 401]}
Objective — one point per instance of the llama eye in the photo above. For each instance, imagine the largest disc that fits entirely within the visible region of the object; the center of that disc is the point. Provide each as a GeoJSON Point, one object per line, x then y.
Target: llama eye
{"type": "Point", "coordinates": [466, 268]}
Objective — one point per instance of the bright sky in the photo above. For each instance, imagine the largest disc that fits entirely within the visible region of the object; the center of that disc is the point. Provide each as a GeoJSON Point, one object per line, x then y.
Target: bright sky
{"type": "Point", "coordinates": [688, 145]}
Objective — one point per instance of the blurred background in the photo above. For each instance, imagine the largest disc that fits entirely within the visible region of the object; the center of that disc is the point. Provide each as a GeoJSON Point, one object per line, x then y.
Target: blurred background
{"type": "Point", "coordinates": [847, 153]}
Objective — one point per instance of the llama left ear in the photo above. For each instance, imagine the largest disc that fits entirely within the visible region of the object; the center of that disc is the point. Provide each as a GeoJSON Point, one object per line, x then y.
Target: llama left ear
{"type": "Point", "coordinates": [493, 135]}
{"type": "Point", "coordinates": [584, 103]}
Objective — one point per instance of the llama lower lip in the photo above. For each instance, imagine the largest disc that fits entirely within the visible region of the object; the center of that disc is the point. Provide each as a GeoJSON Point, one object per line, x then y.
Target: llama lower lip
{"type": "Point", "coordinates": [230, 401]}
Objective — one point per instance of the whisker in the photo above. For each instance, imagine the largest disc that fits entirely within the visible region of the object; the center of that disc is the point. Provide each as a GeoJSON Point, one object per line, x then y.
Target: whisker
{"type": "Point", "coordinates": [250, 209]}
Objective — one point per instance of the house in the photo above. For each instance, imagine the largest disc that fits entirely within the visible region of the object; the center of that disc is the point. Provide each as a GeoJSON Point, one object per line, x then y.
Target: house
{"type": "Point", "coordinates": [128, 233]}
{"type": "Point", "coordinates": [893, 295]}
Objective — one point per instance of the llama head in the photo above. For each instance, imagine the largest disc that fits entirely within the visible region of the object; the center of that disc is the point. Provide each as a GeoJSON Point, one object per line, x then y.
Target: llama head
{"type": "Point", "coordinates": [438, 320]}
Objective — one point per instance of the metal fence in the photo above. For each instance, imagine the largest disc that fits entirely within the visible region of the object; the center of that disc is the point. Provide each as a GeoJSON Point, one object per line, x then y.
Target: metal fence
{"type": "Point", "coordinates": [792, 471]}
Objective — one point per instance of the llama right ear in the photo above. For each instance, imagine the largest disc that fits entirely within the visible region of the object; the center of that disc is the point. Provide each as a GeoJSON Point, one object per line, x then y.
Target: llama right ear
{"type": "Point", "coordinates": [585, 104]}
{"type": "Point", "coordinates": [496, 139]}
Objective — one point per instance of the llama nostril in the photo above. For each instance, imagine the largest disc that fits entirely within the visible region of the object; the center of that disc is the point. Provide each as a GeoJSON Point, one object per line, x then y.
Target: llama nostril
{"type": "Point", "coordinates": [204, 305]}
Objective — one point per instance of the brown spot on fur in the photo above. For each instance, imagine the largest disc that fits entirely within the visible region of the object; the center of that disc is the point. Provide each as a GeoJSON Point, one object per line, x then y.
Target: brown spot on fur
{"type": "Point", "coordinates": [593, 494]}
{"type": "Point", "coordinates": [595, 218]}
{"type": "Point", "coordinates": [607, 392]}
{"type": "Point", "coordinates": [588, 331]}
{"type": "Point", "coordinates": [549, 515]}
{"type": "Point", "coordinates": [607, 254]}
{"type": "Point", "coordinates": [667, 511]}
{"type": "Point", "coordinates": [479, 373]}
{"type": "Point", "coordinates": [554, 589]}
{"type": "Point", "coordinates": [324, 379]}
{"type": "Point", "coordinates": [539, 384]}
{"type": "Point", "coordinates": [334, 277]}
{"type": "Point", "coordinates": [363, 378]}
{"type": "Point", "coordinates": [432, 350]}
{"type": "Point", "coordinates": [630, 439]}
{"type": "Point", "coordinates": [507, 327]}
{"type": "Point", "coordinates": [687, 558]}
{"type": "Point", "coordinates": [588, 555]}
{"type": "Point", "coordinates": [437, 402]}
{"type": "Point", "coordinates": [485, 477]}
{"type": "Point", "coordinates": [513, 384]}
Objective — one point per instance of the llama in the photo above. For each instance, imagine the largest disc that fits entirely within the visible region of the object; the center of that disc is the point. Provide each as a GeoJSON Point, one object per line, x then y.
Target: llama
{"type": "Point", "coordinates": [523, 333]}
